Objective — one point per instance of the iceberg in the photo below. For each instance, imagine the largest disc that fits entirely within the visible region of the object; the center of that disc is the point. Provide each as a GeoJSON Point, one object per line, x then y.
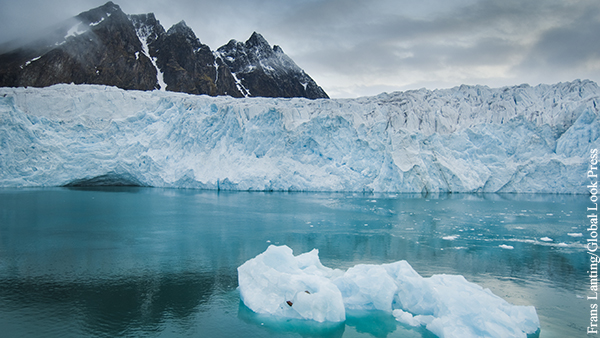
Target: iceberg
{"type": "Point", "coordinates": [280, 284]}
{"type": "Point", "coordinates": [277, 283]}
{"type": "Point", "coordinates": [519, 139]}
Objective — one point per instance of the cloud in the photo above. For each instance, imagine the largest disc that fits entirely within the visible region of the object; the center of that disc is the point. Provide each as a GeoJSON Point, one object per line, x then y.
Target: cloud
{"type": "Point", "coordinates": [356, 47]}
{"type": "Point", "coordinates": [477, 42]}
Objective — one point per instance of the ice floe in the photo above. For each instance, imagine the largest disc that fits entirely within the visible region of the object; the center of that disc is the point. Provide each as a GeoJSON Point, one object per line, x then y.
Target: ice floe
{"type": "Point", "coordinates": [280, 284]}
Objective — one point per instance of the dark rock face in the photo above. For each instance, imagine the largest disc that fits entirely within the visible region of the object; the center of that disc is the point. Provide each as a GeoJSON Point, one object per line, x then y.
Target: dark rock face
{"type": "Point", "coordinates": [97, 47]}
{"type": "Point", "coordinates": [265, 71]}
{"type": "Point", "coordinates": [190, 66]}
{"type": "Point", "coordinates": [105, 46]}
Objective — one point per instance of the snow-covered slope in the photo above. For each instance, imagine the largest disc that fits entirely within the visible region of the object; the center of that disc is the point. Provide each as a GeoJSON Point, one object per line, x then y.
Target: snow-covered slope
{"type": "Point", "coordinates": [464, 139]}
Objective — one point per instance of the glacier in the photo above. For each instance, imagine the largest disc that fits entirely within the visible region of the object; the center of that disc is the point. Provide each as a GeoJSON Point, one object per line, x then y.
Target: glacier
{"type": "Point", "coordinates": [279, 284]}
{"type": "Point", "coordinates": [521, 139]}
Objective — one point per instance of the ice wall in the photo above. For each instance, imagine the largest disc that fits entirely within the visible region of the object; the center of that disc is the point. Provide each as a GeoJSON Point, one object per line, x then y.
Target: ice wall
{"type": "Point", "coordinates": [464, 139]}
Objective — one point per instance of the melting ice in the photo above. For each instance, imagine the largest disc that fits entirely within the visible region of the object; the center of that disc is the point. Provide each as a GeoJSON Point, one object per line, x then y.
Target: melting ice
{"type": "Point", "coordinates": [280, 284]}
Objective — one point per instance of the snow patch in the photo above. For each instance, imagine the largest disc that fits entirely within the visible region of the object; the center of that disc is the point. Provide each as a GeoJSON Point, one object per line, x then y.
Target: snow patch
{"type": "Point", "coordinates": [32, 60]}
{"type": "Point", "coordinates": [76, 30]}
{"type": "Point", "coordinates": [143, 37]}
{"type": "Point", "coordinates": [99, 21]}
{"type": "Point", "coordinates": [240, 86]}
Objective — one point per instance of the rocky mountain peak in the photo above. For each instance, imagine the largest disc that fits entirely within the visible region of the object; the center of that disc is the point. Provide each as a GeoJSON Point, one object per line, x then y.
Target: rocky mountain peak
{"type": "Point", "coordinates": [257, 41]}
{"type": "Point", "coordinates": [97, 15]}
{"type": "Point", "coordinates": [181, 28]}
{"type": "Point", "coordinates": [106, 46]}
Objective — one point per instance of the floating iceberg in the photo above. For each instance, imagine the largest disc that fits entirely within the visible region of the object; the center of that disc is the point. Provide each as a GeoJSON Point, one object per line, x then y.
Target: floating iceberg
{"type": "Point", "coordinates": [277, 283]}
{"type": "Point", "coordinates": [280, 284]}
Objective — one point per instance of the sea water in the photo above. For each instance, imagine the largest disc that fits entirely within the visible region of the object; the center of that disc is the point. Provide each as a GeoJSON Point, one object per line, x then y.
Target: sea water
{"type": "Point", "coordinates": [110, 262]}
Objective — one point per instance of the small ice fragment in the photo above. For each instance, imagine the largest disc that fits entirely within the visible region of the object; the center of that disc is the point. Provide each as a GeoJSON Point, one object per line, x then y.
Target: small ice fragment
{"type": "Point", "coordinates": [575, 234]}
{"type": "Point", "coordinates": [406, 318]}
{"type": "Point", "coordinates": [563, 244]}
{"type": "Point", "coordinates": [546, 239]}
{"type": "Point", "coordinates": [507, 247]}
{"type": "Point", "coordinates": [450, 238]}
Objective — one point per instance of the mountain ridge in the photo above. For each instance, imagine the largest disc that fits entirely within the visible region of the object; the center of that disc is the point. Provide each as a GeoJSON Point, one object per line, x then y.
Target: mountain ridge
{"type": "Point", "coordinates": [108, 47]}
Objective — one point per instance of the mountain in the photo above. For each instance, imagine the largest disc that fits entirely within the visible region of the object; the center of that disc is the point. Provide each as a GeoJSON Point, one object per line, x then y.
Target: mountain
{"type": "Point", "coordinates": [254, 65]}
{"type": "Point", "coordinates": [106, 46]}
{"type": "Point", "coordinates": [520, 139]}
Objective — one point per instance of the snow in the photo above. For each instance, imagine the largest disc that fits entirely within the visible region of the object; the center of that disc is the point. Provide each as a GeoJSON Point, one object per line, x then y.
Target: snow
{"type": "Point", "coordinates": [464, 139]}
{"type": "Point", "coordinates": [76, 30]}
{"type": "Point", "coordinates": [280, 284]}
{"type": "Point", "coordinates": [99, 21]}
{"type": "Point", "coordinates": [32, 60]}
{"type": "Point", "coordinates": [240, 86]}
{"type": "Point", "coordinates": [143, 33]}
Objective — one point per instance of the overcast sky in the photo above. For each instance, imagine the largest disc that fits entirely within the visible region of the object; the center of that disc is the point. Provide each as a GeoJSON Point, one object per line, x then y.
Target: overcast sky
{"type": "Point", "coordinates": [365, 47]}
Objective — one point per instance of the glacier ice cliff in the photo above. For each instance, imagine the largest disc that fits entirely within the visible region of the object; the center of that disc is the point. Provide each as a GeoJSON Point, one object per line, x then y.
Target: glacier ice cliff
{"type": "Point", "coordinates": [465, 139]}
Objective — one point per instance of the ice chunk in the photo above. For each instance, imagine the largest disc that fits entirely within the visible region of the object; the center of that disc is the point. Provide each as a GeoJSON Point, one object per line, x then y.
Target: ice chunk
{"type": "Point", "coordinates": [278, 283]}
{"type": "Point", "coordinates": [367, 287]}
{"type": "Point", "coordinates": [463, 309]}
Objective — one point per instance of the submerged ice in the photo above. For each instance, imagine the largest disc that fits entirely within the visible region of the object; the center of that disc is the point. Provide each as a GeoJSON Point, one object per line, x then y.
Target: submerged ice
{"type": "Point", "coordinates": [464, 139]}
{"type": "Point", "coordinates": [280, 284]}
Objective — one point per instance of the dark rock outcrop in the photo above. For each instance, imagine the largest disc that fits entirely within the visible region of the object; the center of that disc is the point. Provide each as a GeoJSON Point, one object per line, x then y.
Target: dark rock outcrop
{"type": "Point", "coordinates": [99, 46]}
{"type": "Point", "coordinates": [265, 71]}
{"type": "Point", "coordinates": [105, 46]}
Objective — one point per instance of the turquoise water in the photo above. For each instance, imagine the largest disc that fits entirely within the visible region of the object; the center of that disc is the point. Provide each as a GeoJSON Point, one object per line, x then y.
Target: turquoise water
{"type": "Point", "coordinates": [162, 263]}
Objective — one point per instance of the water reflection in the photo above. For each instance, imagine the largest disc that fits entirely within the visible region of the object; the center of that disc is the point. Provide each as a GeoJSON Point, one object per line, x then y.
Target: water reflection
{"type": "Point", "coordinates": [278, 326]}
{"type": "Point", "coordinates": [114, 307]}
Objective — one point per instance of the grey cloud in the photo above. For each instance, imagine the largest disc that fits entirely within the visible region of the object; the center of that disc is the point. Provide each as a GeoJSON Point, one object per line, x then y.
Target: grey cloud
{"type": "Point", "coordinates": [568, 46]}
{"type": "Point", "coordinates": [365, 44]}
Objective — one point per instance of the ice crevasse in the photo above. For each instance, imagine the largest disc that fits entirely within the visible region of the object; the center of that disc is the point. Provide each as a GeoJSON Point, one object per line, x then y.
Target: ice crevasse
{"type": "Point", "coordinates": [280, 284]}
